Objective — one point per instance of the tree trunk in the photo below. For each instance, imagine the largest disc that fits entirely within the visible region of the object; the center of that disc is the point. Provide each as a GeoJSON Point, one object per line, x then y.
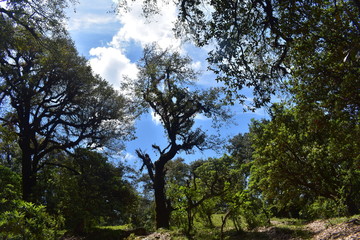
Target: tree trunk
{"type": "Point", "coordinates": [351, 205]}
{"type": "Point", "coordinates": [223, 222]}
{"type": "Point", "coordinates": [162, 210]}
{"type": "Point", "coordinates": [190, 218]}
{"type": "Point", "coordinates": [28, 178]}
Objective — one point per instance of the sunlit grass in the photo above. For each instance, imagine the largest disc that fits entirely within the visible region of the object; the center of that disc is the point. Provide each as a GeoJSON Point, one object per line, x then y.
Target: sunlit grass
{"type": "Point", "coordinates": [118, 227]}
{"type": "Point", "coordinates": [293, 226]}
{"type": "Point", "coordinates": [333, 221]}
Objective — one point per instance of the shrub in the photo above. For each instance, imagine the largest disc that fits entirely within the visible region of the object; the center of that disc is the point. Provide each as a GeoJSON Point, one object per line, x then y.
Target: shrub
{"type": "Point", "coordinates": [28, 221]}
{"type": "Point", "coordinates": [323, 208]}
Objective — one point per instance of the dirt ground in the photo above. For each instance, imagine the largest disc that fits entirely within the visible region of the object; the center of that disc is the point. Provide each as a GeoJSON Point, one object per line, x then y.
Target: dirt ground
{"type": "Point", "coordinates": [320, 230]}
{"type": "Point", "coordinates": [317, 230]}
{"type": "Point", "coordinates": [349, 230]}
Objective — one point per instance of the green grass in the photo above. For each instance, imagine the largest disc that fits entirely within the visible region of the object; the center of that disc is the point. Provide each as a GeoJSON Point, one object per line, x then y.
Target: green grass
{"type": "Point", "coordinates": [292, 226]}
{"type": "Point", "coordinates": [113, 232]}
{"type": "Point", "coordinates": [218, 218]}
{"type": "Point", "coordinates": [119, 227]}
{"type": "Point", "coordinates": [334, 221]}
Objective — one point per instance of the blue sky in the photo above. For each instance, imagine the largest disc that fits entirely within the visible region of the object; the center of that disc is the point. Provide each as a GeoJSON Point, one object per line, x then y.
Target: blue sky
{"type": "Point", "coordinates": [113, 44]}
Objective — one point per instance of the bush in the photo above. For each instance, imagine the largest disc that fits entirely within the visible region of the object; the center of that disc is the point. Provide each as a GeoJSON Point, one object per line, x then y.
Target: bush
{"type": "Point", "coordinates": [27, 221]}
{"type": "Point", "coordinates": [20, 219]}
{"type": "Point", "coordinates": [323, 208]}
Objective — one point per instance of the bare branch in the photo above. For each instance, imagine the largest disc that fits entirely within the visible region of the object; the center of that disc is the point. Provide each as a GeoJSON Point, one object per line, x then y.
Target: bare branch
{"type": "Point", "coordinates": [146, 162]}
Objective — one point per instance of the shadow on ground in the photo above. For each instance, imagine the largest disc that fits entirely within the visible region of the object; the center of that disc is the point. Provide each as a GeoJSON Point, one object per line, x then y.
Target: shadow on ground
{"type": "Point", "coordinates": [271, 233]}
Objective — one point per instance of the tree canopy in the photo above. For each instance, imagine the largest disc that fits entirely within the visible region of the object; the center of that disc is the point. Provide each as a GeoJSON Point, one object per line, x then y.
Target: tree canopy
{"type": "Point", "coordinates": [260, 43]}
{"type": "Point", "coordinates": [298, 159]}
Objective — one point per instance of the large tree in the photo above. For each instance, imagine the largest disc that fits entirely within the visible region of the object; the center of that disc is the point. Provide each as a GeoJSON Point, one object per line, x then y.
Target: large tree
{"type": "Point", "coordinates": [165, 85]}
{"type": "Point", "coordinates": [52, 99]}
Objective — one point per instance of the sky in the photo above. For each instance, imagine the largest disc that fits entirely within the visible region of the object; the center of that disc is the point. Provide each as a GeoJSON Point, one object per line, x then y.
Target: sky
{"type": "Point", "coordinates": [113, 44]}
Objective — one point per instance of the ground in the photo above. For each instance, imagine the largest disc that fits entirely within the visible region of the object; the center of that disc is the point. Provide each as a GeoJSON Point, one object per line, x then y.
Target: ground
{"type": "Point", "coordinates": [316, 230]}
{"type": "Point", "coordinates": [280, 229]}
{"type": "Point", "coordinates": [347, 231]}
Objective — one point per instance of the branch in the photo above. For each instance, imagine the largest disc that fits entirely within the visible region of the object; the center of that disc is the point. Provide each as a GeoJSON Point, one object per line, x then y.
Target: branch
{"type": "Point", "coordinates": [26, 26]}
{"type": "Point", "coordinates": [58, 165]}
{"type": "Point", "coordinates": [146, 162]}
{"type": "Point", "coordinates": [157, 148]}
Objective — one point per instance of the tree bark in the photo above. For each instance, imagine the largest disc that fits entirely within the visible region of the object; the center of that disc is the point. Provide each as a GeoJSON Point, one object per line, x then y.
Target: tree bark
{"type": "Point", "coordinates": [162, 209]}
{"type": "Point", "coordinates": [28, 177]}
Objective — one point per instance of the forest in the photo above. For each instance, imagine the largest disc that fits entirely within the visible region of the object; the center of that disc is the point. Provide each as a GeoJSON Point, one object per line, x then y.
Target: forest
{"type": "Point", "coordinates": [60, 122]}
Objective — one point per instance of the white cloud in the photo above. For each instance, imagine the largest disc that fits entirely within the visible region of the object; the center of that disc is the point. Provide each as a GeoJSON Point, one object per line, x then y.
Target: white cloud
{"type": "Point", "coordinates": [197, 66]}
{"type": "Point", "coordinates": [130, 157]}
{"type": "Point", "coordinates": [91, 22]}
{"type": "Point", "coordinates": [146, 31]}
{"type": "Point", "coordinates": [111, 61]}
{"type": "Point", "coordinates": [201, 117]}
{"type": "Point", "coordinates": [111, 64]}
{"type": "Point", "coordinates": [155, 117]}
{"type": "Point", "coordinates": [93, 16]}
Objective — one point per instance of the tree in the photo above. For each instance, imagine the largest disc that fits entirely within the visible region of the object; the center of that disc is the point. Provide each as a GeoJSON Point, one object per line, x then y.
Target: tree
{"type": "Point", "coordinates": [92, 192]}
{"type": "Point", "coordinates": [35, 16]}
{"type": "Point", "coordinates": [54, 101]}
{"type": "Point", "coordinates": [198, 193]}
{"type": "Point", "coordinates": [239, 147]}
{"type": "Point", "coordinates": [9, 149]}
{"type": "Point", "coordinates": [240, 150]}
{"type": "Point", "coordinates": [165, 85]}
{"type": "Point", "coordinates": [299, 158]}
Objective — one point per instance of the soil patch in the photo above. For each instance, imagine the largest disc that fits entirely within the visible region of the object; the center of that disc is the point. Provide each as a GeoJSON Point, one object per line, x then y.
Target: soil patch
{"type": "Point", "coordinates": [349, 230]}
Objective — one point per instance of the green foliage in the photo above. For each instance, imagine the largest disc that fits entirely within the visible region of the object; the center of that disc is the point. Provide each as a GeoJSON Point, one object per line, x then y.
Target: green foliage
{"type": "Point", "coordinates": [10, 188]}
{"type": "Point", "coordinates": [36, 16]}
{"type": "Point", "coordinates": [325, 208]}
{"type": "Point", "coordinates": [166, 85]}
{"type": "Point", "coordinates": [300, 156]}
{"type": "Point", "coordinates": [27, 221]}
{"type": "Point", "coordinates": [91, 191]}
{"type": "Point", "coordinates": [249, 212]}
{"type": "Point", "coordinates": [20, 219]}
{"type": "Point", "coordinates": [215, 186]}
{"type": "Point", "coordinates": [261, 44]}
{"type": "Point", "coordinates": [9, 149]}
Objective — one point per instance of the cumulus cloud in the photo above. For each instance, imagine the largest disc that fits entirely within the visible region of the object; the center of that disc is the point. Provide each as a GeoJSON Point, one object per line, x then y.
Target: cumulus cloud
{"type": "Point", "coordinates": [111, 61]}
{"type": "Point", "coordinates": [112, 64]}
{"type": "Point", "coordinates": [146, 31]}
